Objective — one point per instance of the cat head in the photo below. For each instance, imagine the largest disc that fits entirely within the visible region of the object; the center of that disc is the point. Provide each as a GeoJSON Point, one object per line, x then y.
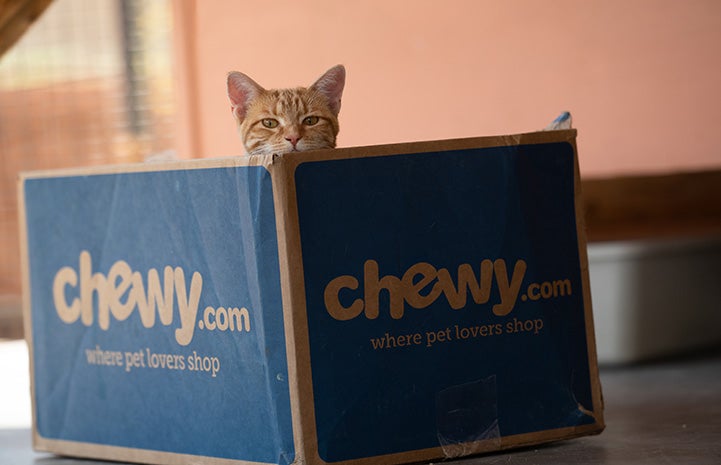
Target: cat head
{"type": "Point", "coordinates": [279, 121]}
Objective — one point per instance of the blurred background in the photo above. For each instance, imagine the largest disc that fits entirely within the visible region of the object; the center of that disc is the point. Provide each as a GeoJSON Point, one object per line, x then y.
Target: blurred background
{"type": "Point", "coordinates": [90, 82]}
{"type": "Point", "coordinates": [117, 81]}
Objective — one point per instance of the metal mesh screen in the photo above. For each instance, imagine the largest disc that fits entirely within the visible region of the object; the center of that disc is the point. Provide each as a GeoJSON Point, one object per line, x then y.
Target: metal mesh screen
{"type": "Point", "coordinates": [89, 83]}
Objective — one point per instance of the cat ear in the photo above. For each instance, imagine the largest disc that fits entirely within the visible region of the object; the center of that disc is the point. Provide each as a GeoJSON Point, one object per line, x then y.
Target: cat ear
{"type": "Point", "coordinates": [331, 85]}
{"type": "Point", "coordinates": [241, 90]}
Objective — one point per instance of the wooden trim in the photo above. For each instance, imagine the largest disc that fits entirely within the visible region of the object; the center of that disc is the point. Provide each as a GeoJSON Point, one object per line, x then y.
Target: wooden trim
{"type": "Point", "coordinates": [651, 207]}
{"type": "Point", "coordinates": [16, 17]}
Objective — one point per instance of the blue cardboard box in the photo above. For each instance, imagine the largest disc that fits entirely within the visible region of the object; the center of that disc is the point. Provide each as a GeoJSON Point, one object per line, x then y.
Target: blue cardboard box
{"type": "Point", "coordinates": [381, 305]}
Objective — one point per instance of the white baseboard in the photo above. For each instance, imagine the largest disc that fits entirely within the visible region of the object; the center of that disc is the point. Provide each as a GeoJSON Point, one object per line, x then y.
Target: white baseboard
{"type": "Point", "coordinates": [655, 298]}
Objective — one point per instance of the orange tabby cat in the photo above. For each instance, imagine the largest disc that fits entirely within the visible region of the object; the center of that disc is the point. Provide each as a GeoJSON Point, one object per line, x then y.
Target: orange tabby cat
{"type": "Point", "coordinates": [279, 121]}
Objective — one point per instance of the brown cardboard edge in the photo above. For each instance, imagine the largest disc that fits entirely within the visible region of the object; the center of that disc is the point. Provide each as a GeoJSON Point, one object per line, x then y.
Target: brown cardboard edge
{"type": "Point", "coordinates": [541, 137]}
{"type": "Point", "coordinates": [475, 449]}
{"type": "Point", "coordinates": [326, 154]}
{"type": "Point", "coordinates": [596, 391]}
{"type": "Point", "coordinates": [286, 166]}
{"type": "Point", "coordinates": [26, 304]}
{"type": "Point", "coordinates": [116, 453]}
{"type": "Point", "coordinates": [294, 310]}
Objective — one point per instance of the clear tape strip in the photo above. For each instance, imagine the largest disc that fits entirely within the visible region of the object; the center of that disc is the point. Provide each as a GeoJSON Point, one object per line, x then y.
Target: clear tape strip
{"type": "Point", "coordinates": [467, 418]}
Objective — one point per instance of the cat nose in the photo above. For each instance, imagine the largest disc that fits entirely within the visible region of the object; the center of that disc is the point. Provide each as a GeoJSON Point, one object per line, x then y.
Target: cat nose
{"type": "Point", "coordinates": [293, 139]}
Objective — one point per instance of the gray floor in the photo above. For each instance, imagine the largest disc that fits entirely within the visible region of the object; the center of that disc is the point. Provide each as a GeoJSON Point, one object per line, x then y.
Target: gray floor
{"type": "Point", "coordinates": [663, 413]}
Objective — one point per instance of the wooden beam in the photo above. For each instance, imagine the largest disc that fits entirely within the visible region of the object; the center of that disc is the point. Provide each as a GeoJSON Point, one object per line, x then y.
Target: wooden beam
{"type": "Point", "coordinates": [648, 207]}
{"type": "Point", "coordinates": [16, 16]}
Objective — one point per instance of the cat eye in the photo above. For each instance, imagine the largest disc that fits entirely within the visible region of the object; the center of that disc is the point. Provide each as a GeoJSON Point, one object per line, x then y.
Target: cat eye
{"type": "Point", "coordinates": [310, 120]}
{"type": "Point", "coordinates": [270, 123]}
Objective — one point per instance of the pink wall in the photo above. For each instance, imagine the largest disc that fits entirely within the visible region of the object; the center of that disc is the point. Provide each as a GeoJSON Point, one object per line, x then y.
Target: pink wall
{"type": "Point", "coordinates": [641, 77]}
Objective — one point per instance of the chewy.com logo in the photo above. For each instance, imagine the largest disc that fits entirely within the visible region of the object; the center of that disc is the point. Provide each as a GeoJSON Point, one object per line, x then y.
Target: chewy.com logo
{"type": "Point", "coordinates": [123, 291]}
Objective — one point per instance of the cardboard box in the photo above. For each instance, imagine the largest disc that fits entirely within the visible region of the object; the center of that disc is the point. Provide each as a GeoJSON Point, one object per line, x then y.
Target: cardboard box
{"type": "Point", "coordinates": [378, 305]}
